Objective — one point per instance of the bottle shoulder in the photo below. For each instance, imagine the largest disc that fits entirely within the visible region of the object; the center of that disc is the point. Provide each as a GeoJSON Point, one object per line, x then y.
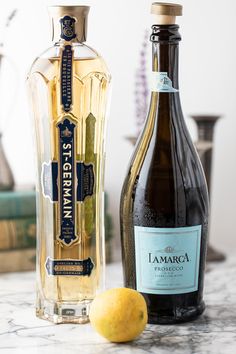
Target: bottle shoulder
{"type": "Point", "coordinates": [81, 52]}
{"type": "Point", "coordinates": [165, 183]}
{"type": "Point", "coordinates": [165, 148]}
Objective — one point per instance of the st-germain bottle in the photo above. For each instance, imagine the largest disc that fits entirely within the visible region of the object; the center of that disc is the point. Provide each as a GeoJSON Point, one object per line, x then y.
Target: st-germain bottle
{"type": "Point", "coordinates": [68, 86]}
{"type": "Point", "coordinates": [164, 201]}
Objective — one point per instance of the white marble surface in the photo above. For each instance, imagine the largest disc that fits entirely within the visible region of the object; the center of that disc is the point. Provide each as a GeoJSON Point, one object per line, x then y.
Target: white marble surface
{"type": "Point", "coordinates": [214, 332]}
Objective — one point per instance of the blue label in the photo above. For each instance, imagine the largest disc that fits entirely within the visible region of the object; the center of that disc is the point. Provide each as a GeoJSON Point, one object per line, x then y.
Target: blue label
{"type": "Point", "coordinates": [66, 78]}
{"type": "Point", "coordinates": [67, 181]}
{"type": "Point", "coordinates": [85, 175]}
{"type": "Point", "coordinates": [167, 259]}
{"type": "Point", "coordinates": [69, 267]}
{"type": "Point", "coordinates": [161, 82]}
{"type": "Point", "coordinates": [67, 28]}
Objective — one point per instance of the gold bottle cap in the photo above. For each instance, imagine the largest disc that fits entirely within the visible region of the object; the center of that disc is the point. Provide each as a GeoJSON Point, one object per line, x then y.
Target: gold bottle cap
{"type": "Point", "coordinates": [69, 22]}
{"type": "Point", "coordinates": [166, 12]}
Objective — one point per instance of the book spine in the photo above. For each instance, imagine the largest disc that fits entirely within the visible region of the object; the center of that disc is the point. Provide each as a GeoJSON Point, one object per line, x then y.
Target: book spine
{"type": "Point", "coordinates": [17, 260]}
{"type": "Point", "coordinates": [18, 233]}
{"type": "Point", "coordinates": [17, 205]}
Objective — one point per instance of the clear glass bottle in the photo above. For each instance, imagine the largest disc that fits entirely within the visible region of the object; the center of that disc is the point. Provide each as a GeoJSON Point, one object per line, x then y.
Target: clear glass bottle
{"type": "Point", "coordinates": [164, 201]}
{"type": "Point", "coordinates": [68, 86]}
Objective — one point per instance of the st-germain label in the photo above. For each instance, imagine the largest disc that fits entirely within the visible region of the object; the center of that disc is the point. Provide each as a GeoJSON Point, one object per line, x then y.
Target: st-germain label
{"type": "Point", "coordinates": [67, 181]}
{"type": "Point", "coordinates": [167, 259]}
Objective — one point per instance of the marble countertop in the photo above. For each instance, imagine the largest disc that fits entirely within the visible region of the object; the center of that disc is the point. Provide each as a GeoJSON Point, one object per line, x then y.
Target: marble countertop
{"type": "Point", "coordinates": [214, 332]}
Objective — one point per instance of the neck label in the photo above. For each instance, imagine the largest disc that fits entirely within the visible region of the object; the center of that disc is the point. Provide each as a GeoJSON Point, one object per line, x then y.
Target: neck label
{"type": "Point", "coordinates": [67, 28]}
{"type": "Point", "coordinates": [161, 82]}
{"type": "Point", "coordinates": [66, 78]}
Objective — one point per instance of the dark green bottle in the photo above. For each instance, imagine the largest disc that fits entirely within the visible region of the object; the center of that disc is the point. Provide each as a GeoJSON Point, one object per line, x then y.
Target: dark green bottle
{"type": "Point", "coordinates": [164, 201]}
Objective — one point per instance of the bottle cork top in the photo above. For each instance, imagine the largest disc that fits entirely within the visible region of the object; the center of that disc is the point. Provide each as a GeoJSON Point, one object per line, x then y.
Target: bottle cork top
{"type": "Point", "coordinates": [166, 12]}
{"type": "Point", "coordinates": [69, 22]}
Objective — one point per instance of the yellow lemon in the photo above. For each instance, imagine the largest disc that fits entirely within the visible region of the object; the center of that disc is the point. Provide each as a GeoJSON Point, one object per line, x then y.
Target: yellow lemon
{"type": "Point", "coordinates": [119, 314]}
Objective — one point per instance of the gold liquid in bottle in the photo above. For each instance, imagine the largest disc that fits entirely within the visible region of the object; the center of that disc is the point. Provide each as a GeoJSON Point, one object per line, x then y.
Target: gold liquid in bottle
{"type": "Point", "coordinates": [68, 87]}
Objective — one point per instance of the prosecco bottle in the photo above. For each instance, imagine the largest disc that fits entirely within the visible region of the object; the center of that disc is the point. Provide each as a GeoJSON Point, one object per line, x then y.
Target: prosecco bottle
{"type": "Point", "coordinates": [164, 201]}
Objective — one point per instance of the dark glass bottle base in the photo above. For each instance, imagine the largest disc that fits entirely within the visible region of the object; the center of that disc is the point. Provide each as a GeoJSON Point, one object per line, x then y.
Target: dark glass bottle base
{"type": "Point", "coordinates": [180, 315]}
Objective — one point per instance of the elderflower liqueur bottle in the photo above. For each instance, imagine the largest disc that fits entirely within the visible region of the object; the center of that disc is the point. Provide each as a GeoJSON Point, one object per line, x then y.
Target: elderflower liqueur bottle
{"type": "Point", "coordinates": [68, 87]}
{"type": "Point", "coordinates": [164, 202]}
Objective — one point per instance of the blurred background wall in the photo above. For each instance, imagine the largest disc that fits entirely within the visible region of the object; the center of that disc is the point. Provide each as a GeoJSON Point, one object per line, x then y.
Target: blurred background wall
{"type": "Point", "coordinates": [116, 29]}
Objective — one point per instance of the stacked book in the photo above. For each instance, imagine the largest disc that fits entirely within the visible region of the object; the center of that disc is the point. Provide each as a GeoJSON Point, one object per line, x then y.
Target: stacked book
{"type": "Point", "coordinates": [17, 231]}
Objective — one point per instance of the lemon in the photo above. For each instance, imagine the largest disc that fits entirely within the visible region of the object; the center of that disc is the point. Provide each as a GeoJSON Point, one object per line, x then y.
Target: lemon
{"type": "Point", "coordinates": [119, 314]}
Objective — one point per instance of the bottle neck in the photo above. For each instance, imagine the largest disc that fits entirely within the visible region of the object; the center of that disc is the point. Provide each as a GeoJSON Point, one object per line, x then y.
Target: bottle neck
{"type": "Point", "coordinates": [165, 39]}
{"type": "Point", "coordinates": [168, 116]}
{"type": "Point", "coordinates": [61, 41]}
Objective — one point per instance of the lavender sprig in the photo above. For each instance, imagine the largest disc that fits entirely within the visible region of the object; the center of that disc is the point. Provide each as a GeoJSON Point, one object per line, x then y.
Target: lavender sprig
{"type": "Point", "coordinates": [8, 22]}
{"type": "Point", "coordinates": [10, 17]}
{"type": "Point", "coordinates": [141, 87]}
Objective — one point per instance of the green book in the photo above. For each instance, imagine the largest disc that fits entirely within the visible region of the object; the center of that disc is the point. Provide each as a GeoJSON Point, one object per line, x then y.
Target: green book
{"type": "Point", "coordinates": [18, 233]}
{"type": "Point", "coordinates": [17, 204]}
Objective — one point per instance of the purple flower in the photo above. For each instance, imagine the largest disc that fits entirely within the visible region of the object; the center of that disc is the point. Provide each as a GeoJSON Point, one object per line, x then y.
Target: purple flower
{"type": "Point", "coordinates": [141, 87]}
